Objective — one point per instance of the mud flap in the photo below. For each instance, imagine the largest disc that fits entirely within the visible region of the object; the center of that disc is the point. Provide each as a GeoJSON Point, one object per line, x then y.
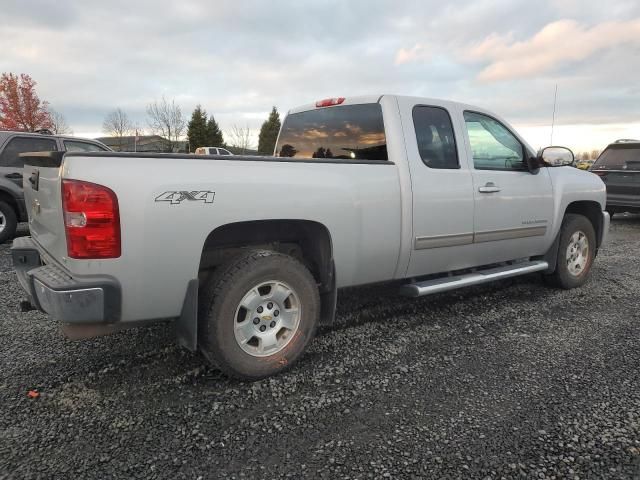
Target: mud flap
{"type": "Point", "coordinates": [187, 323]}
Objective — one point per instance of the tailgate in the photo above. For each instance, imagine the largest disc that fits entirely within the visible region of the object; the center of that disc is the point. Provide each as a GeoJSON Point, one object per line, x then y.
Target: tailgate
{"type": "Point", "coordinates": [43, 199]}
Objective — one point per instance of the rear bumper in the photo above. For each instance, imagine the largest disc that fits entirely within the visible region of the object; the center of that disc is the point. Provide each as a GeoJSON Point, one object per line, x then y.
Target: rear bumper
{"type": "Point", "coordinates": [65, 297]}
{"type": "Point", "coordinates": [623, 201]}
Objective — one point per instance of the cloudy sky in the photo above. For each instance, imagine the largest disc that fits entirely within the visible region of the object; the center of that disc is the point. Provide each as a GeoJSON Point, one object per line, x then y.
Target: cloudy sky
{"type": "Point", "coordinates": [238, 58]}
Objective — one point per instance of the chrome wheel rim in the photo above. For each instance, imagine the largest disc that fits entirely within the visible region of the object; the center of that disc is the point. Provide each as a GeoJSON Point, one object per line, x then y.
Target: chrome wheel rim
{"type": "Point", "coordinates": [577, 253]}
{"type": "Point", "coordinates": [3, 222]}
{"type": "Point", "coordinates": [267, 318]}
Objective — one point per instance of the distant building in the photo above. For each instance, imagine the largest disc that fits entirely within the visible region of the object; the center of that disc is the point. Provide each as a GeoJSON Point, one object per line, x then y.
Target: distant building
{"type": "Point", "coordinates": [145, 143]}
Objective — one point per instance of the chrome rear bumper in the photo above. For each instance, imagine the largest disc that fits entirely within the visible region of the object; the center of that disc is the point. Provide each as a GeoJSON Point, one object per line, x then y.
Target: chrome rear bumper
{"type": "Point", "coordinates": [66, 298]}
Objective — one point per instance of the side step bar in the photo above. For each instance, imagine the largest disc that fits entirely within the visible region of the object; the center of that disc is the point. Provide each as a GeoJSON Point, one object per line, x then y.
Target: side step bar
{"type": "Point", "coordinates": [465, 280]}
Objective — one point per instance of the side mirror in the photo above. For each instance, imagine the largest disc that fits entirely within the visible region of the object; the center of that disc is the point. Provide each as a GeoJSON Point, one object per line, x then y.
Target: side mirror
{"type": "Point", "coordinates": [557, 157]}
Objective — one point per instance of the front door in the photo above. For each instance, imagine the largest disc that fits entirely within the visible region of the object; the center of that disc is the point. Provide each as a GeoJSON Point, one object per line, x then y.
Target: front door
{"type": "Point", "coordinates": [513, 206]}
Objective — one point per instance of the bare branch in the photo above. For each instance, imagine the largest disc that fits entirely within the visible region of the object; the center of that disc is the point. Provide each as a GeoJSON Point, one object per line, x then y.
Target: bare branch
{"type": "Point", "coordinates": [59, 124]}
{"type": "Point", "coordinates": [117, 124]}
{"type": "Point", "coordinates": [240, 137]}
{"type": "Point", "coordinates": [165, 119]}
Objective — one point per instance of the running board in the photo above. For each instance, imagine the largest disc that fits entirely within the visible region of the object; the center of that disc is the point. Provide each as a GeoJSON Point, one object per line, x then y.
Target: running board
{"type": "Point", "coordinates": [476, 278]}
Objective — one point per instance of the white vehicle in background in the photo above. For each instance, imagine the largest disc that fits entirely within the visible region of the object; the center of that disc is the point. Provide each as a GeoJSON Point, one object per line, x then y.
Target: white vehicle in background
{"type": "Point", "coordinates": [246, 254]}
{"type": "Point", "coordinates": [212, 151]}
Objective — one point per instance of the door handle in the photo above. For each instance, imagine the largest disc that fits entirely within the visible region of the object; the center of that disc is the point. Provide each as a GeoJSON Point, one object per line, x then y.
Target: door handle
{"type": "Point", "coordinates": [14, 176]}
{"type": "Point", "coordinates": [489, 187]}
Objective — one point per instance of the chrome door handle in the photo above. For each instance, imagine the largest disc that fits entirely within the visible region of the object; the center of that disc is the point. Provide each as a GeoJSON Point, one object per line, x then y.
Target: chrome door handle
{"type": "Point", "coordinates": [489, 187]}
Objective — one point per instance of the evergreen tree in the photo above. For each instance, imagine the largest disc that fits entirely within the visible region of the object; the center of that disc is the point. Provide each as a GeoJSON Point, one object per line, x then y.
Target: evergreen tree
{"type": "Point", "coordinates": [269, 133]}
{"type": "Point", "coordinates": [197, 129]}
{"type": "Point", "coordinates": [214, 134]}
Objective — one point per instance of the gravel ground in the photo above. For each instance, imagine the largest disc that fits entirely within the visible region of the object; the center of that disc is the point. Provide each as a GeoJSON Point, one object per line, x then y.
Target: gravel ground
{"type": "Point", "coordinates": [511, 380]}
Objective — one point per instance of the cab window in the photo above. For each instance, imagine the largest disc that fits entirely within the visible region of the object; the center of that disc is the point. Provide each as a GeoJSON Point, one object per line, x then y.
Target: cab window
{"type": "Point", "coordinates": [10, 156]}
{"type": "Point", "coordinates": [76, 146]}
{"type": "Point", "coordinates": [493, 146]}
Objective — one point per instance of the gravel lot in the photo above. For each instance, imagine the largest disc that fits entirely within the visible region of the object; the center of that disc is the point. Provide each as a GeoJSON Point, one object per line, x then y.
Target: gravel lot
{"type": "Point", "coordinates": [511, 380]}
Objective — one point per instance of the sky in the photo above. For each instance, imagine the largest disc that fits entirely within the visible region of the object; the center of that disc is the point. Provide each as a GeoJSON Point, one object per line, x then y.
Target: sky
{"type": "Point", "coordinates": [239, 58]}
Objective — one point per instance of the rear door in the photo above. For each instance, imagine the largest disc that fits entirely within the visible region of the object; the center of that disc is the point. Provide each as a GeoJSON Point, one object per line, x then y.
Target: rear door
{"type": "Point", "coordinates": [513, 207]}
{"type": "Point", "coordinates": [619, 168]}
{"type": "Point", "coordinates": [442, 190]}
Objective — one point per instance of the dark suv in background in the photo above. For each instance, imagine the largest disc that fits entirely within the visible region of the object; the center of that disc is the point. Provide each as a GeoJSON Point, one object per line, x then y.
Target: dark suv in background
{"type": "Point", "coordinates": [12, 144]}
{"type": "Point", "coordinates": [619, 167]}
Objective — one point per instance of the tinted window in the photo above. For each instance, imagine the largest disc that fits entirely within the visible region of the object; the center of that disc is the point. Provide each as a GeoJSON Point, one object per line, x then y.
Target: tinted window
{"type": "Point", "coordinates": [434, 133]}
{"type": "Point", "coordinates": [493, 146]}
{"type": "Point", "coordinates": [11, 154]}
{"type": "Point", "coordinates": [349, 132]}
{"type": "Point", "coordinates": [619, 158]}
{"type": "Point", "coordinates": [222, 151]}
{"type": "Point", "coordinates": [213, 151]}
{"type": "Point", "coordinates": [75, 146]}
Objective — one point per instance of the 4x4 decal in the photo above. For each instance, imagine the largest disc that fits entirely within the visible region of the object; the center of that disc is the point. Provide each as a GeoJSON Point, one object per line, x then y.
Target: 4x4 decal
{"type": "Point", "coordinates": [176, 198]}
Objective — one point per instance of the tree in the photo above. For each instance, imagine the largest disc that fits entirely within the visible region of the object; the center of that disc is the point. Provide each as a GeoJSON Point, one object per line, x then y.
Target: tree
{"type": "Point", "coordinates": [20, 107]}
{"type": "Point", "coordinates": [197, 129]}
{"type": "Point", "coordinates": [269, 133]}
{"type": "Point", "coordinates": [240, 138]}
{"type": "Point", "coordinates": [59, 124]}
{"type": "Point", "coordinates": [288, 151]}
{"type": "Point", "coordinates": [117, 124]}
{"type": "Point", "coordinates": [214, 134]}
{"type": "Point", "coordinates": [165, 119]}
{"type": "Point", "coordinates": [595, 154]}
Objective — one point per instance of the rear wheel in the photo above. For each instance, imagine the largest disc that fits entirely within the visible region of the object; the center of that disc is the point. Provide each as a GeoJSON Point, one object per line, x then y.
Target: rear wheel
{"type": "Point", "coordinates": [8, 222]}
{"type": "Point", "coordinates": [258, 313]}
{"type": "Point", "coordinates": [576, 252]}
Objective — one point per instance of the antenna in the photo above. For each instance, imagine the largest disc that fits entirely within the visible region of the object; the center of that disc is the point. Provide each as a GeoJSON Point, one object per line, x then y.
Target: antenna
{"type": "Point", "coordinates": [553, 118]}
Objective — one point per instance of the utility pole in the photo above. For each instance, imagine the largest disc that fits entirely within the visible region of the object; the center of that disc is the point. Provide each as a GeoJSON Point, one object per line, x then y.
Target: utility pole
{"type": "Point", "coordinates": [553, 118]}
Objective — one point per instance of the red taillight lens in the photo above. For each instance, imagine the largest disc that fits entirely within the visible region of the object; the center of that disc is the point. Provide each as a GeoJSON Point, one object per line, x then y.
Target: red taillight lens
{"type": "Point", "coordinates": [91, 220]}
{"type": "Point", "coordinates": [329, 102]}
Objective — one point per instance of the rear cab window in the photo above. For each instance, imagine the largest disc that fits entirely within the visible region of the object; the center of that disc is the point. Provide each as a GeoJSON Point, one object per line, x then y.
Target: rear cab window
{"type": "Point", "coordinates": [10, 156]}
{"type": "Point", "coordinates": [346, 132]}
{"type": "Point", "coordinates": [434, 134]}
{"type": "Point", "coordinates": [619, 157]}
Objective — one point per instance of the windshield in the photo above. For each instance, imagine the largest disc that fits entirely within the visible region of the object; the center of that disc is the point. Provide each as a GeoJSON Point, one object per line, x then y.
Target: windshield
{"type": "Point", "coordinates": [352, 132]}
{"type": "Point", "coordinates": [619, 158]}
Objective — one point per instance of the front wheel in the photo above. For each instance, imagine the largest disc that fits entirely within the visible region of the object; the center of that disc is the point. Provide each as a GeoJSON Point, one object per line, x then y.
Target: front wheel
{"type": "Point", "coordinates": [257, 314]}
{"type": "Point", "coordinates": [576, 252]}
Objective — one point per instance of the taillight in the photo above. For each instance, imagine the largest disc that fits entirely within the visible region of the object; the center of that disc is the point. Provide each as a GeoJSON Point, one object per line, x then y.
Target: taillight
{"type": "Point", "coordinates": [329, 102]}
{"type": "Point", "coordinates": [91, 220]}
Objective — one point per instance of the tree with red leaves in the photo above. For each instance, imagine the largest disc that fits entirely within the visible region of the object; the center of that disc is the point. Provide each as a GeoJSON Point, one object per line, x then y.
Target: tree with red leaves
{"type": "Point", "coordinates": [20, 107]}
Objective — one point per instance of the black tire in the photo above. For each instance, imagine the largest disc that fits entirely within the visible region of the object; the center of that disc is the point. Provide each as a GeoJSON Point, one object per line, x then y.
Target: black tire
{"type": "Point", "coordinates": [10, 222]}
{"type": "Point", "coordinates": [219, 301]}
{"type": "Point", "coordinates": [562, 277]}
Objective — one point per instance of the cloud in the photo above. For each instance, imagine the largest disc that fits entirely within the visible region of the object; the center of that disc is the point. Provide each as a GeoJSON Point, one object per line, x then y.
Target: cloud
{"type": "Point", "coordinates": [556, 44]}
{"type": "Point", "coordinates": [413, 54]}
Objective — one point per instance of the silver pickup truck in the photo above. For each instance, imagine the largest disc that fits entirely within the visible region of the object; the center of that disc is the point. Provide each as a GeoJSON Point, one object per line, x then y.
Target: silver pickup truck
{"type": "Point", "coordinates": [245, 254]}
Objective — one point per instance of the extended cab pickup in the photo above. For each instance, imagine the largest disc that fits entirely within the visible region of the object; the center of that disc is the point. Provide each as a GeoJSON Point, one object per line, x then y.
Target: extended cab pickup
{"type": "Point", "coordinates": [245, 254]}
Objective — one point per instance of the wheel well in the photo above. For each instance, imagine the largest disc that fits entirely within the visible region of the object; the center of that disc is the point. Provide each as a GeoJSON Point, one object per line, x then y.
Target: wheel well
{"type": "Point", "coordinates": [309, 242]}
{"type": "Point", "coordinates": [11, 201]}
{"type": "Point", "coordinates": [592, 211]}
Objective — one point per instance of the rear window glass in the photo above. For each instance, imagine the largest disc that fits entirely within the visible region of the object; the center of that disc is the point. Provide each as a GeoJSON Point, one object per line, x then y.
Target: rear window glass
{"type": "Point", "coordinates": [619, 158]}
{"type": "Point", "coordinates": [74, 146]}
{"type": "Point", "coordinates": [350, 132]}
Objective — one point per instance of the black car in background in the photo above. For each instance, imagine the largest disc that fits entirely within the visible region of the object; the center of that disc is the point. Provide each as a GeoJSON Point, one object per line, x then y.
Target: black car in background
{"type": "Point", "coordinates": [12, 144]}
{"type": "Point", "coordinates": [619, 167]}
